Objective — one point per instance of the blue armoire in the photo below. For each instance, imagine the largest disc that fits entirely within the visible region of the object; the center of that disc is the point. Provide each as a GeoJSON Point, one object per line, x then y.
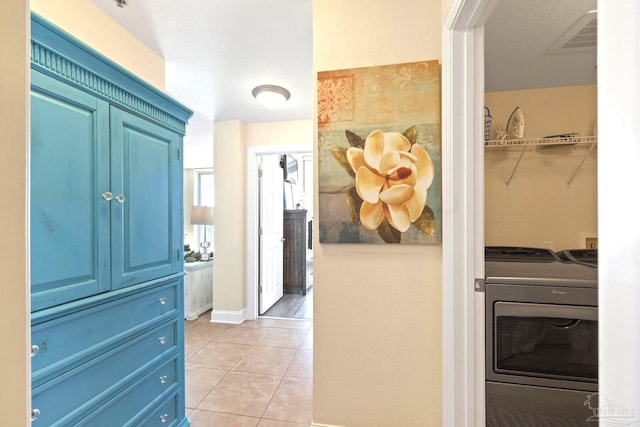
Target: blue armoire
{"type": "Point", "coordinates": [107, 329]}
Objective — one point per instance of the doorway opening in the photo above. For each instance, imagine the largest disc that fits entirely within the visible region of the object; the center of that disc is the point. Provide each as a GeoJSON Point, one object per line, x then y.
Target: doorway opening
{"type": "Point", "coordinates": [279, 232]}
{"type": "Point", "coordinates": [463, 101]}
{"type": "Point", "coordinates": [285, 275]}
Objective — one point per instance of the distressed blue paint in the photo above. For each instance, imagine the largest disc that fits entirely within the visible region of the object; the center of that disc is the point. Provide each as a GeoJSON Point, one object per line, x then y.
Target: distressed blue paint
{"type": "Point", "coordinates": [106, 277]}
{"type": "Point", "coordinates": [53, 52]}
{"type": "Point", "coordinates": [143, 170]}
{"type": "Point", "coordinates": [68, 224]}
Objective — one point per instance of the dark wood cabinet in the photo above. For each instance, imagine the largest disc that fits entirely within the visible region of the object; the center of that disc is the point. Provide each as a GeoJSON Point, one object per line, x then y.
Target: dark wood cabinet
{"type": "Point", "coordinates": [295, 250]}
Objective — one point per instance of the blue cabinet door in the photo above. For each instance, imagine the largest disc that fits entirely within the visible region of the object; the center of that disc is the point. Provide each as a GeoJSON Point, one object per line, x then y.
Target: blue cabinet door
{"type": "Point", "coordinates": [146, 180]}
{"type": "Point", "coordinates": [69, 171]}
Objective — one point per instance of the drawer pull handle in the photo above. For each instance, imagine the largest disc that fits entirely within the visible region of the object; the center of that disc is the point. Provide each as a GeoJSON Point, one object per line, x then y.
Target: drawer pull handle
{"type": "Point", "coordinates": [163, 379]}
{"type": "Point", "coordinates": [162, 340]}
{"type": "Point", "coordinates": [34, 350]}
{"type": "Point", "coordinates": [120, 198]}
{"type": "Point", "coordinates": [162, 300]}
{"type": "Point", "coordinates": [107, 196]}
{"type": "Point", "coordinates": [34, 414]}
{"type": "Point", "coordinates": [164, 418]}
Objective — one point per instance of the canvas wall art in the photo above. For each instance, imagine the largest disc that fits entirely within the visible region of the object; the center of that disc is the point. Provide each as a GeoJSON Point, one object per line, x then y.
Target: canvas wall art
{"type": "Point", "coordinates": [379, 167]}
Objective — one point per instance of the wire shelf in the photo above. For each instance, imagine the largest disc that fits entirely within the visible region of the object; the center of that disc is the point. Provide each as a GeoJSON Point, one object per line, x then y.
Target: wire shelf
{"type": "Point", "coordinates": [541, 142]}
{"type": "Point", "coordinates": [524, 145]}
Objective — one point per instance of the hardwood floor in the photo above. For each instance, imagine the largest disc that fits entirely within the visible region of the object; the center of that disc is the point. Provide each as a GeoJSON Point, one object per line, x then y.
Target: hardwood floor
{"type": "Point", "coordinates": [295, 305]}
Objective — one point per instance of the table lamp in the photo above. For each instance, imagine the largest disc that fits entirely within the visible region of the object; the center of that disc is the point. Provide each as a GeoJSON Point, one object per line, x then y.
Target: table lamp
{"type": "Point", "coordinates": [203, 215]}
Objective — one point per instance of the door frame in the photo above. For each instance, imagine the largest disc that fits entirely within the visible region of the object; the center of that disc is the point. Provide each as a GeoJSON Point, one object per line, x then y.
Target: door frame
{"type": "Point", "coordinates": [463, 211]}
{"type": "Point", "coordinates": [253, 248]}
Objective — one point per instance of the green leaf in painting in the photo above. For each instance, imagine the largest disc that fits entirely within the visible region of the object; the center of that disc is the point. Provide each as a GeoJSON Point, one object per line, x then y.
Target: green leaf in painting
{"type": "Point", "coordinates": [340, 154]}
{"type": "Point", "coordinates": [411, 134]}
{"type": "Point", "coordinates": [426, 222]}
{"type": "Point", "coordinates": [388, 233]}
{"type": "Point", "coordinates": [354, 202]}
{"type": "Point", "coordinates": [354, 140]}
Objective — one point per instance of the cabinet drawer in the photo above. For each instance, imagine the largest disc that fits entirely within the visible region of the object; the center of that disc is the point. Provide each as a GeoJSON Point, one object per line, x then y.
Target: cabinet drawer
{"type": "Point", "coordinates": [74, 338]}
{"type": "Point", "coordinates": [165, 415]}
{"type": "Point", "coordinates": [135, 399]}
{"type": "Point", "coordinates": [63, 399]}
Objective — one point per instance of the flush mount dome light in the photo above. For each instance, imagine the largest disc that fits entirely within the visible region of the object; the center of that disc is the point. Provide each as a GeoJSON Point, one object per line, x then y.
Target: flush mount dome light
{"type": "Point", "coordinates": [271, 96]}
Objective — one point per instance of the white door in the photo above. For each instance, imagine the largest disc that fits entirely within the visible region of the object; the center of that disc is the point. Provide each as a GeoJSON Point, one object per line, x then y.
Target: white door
{"type": "Point", "coordinates": [271, 238]}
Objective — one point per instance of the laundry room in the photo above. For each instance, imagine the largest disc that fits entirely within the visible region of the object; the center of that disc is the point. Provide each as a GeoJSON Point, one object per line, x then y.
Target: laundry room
{"type": "Point", "coordinates": [542, 192]}
{"type": "Point", "coordinates": [541, 213]}
{"type": "Point", "coordinates": [540, 169]}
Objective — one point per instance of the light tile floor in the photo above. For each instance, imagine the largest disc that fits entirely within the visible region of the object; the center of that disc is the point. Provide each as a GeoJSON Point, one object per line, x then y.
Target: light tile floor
{"type": "Point", "coordinates": [257, 374]}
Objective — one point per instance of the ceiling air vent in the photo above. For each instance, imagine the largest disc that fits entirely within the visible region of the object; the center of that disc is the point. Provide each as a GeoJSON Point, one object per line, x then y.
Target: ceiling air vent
{"type": "Point", "coordinates": [581, 37]}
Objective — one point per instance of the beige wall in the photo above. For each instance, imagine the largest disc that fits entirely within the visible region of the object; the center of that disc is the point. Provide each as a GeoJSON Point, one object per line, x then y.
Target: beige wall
{"type": "Point", "coordinates": [87, 22]}
{"type": "Point", "coordinates": [14, 304]}
{"type": "Point", "coordinates": [548, 111]}
{"type": "Point", "coordinates": [229, 265]}
{"type": "Point", "coordinates": [538, 208]}
{"type": "Point", "coordinates": [280, 133]}
{"type": "Point", "coordinates": [377, 309]}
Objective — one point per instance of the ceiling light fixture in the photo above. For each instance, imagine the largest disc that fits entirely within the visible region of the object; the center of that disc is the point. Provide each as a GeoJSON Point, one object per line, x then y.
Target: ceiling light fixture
{"type": "Point", "coordinates": [271, 96]}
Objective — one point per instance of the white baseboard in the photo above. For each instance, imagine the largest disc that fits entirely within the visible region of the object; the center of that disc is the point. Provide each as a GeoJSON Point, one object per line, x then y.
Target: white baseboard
{"type": "Point", "coordinates": [195, 314]}
{"type": "Point", "coordinates": [227, 316]}
{"type": "Point", "coordinates": [324, 425]}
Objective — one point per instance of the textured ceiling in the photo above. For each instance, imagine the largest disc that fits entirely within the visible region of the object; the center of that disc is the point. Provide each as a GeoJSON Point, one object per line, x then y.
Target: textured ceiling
{"type": "Point", "coordinates": [517, 37]}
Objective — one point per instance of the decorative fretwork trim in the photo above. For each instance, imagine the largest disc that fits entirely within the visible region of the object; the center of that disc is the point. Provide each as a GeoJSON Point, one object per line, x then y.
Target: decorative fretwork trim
{"type": "Point", "coordinates": [66, 69]}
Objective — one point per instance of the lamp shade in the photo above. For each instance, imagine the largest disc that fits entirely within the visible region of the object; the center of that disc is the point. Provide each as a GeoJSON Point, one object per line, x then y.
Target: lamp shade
{"type": "Point", "coordinates": [201, 215]}
{"type": "Point", "coordinates": [271, 96]}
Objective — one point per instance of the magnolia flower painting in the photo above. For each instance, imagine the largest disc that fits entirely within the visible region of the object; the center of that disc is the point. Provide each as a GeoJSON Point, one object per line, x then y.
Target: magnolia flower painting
{"type": "Point", "coordinates": [379, 180]}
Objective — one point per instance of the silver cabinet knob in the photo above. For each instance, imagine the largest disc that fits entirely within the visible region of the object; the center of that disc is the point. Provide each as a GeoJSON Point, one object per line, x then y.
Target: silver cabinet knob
{"type": "Point", "coordinates": [107, 196]}
{"type": "Point", "coordinates": [34, 414]}
{"type": "Point", "coordinates": [34, 350]}
{"type": "Point", "coordinates": [162, 340]}
{"type": "Point", "coordinates": [163, 379]}
{"type": "Point", "coordinates": [164, 418]}
{"type": "Point", "coordinates": [162, 300]}
{"type": "Point", "coordinates": [120, 198]}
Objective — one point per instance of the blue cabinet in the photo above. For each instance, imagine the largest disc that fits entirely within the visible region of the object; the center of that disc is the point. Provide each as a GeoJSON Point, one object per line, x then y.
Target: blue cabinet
{"type": "Point", "coordinates": [146, 183]}
{"type": "Point", "coordinates": [105, 196]}
{"type": "Point", "coordinates": [69, 223]}
{"type": "Point", "coordinates": [107, 311]}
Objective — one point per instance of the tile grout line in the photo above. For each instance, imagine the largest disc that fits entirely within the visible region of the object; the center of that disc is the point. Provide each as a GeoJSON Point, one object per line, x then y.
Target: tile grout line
{"type": "Point", "coordinates": [276, 390]}
{"type": "Point", "coordinates": [296, 349]}
{"type": "Point", "coordinates": [207, 394]}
